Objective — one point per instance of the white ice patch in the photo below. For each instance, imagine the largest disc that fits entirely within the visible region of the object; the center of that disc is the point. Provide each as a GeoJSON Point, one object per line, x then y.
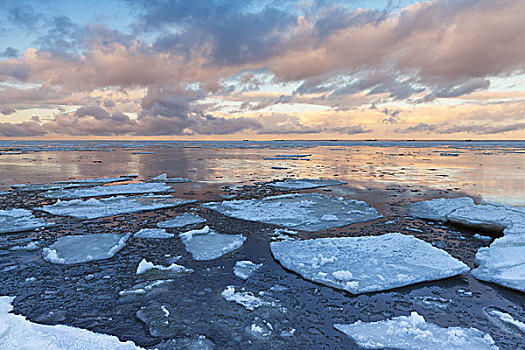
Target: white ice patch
{"type": "Point", "coordinates": [243, 269]}
{"type": "Point", "coordinates": [413, 333]}
{"type": "Point", "coordinates": [182, 220]}
{"type": "Point", "coordinates": [18, 220]}
{"type": "Point", "coordinates": [439, 209]}
{"type": "Point", "coordinates": [16, 332]}
{"type": "Point", "coordinates": [153, 233]}
{"type": "Point", "coordinates": [206, 244]}
{"type": "Point", "coordinates": [68, 184]}
{"type": "Point", "coordinates": [143, 288]}
{"type": "Point", "coordinates": [303, 184]}
{"type": "Point", "coordinates": [28, 247]}
{"type": "Point", "coordinates": [486, 216]}
{"type": "Point", "coordinates": [165, 178]}
{"type": "Point", "coordinates": [145, 266]}
{"type": "Point", "coordinates": [298, 211]}
{"type": "Point", "coordinates": [83, 248]}
{"type": "Point", "coordinates": [367, 264]}
{"type": "Point", "coordinates": [99, 191]}
{"type": "Point", "coordinates": [98, 208]}
{"type": "Point", "coordinates": [246, 299]}
{"type": "Point", "coordinates": [506, 320]}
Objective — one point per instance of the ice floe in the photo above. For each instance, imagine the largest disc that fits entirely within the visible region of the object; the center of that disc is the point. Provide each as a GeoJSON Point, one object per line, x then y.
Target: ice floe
{"type": "Point", "coordinates": [18, 220]}
{"type": "Point", "coordinates": [503, 262]}
{"type": "Point", "coordinates": [144, 287]}
{"type": "Point", "coordinates": [28, 247]}
{"type": "Point", "coordinates": [16, 332]}
{"type": "Point", "coordinates": [153, 233]}
{"type": "Point", "coordinates": [83, 248]}
{"type": "Point", "coordinates": [505, 320]}
{"type": "Point", "coordinates": [303, 184]}
{"type": "Point", "coordinates": [367, 264]}
{"type": "Point", "coordinates": [182, 220]}
{"type": "Point", "coordinates": [414, 333]}
{"type": "Point", "coordinates": [165, 178]}
{"type": "Point", "coordinates": [246, 299]}
{"type": "Point", "coordinates": [68, 184]}
{"type": "Point", "coordinates": [145, 266]}
{"type": "Point", "coordinates": [298, 211]}
{"type": "Point", "coordinates": [99, 191]}
{"type": "Point", "coordinates": [98, 208]}
{"type": "Point", "coordinates": [206, 244]}
{"type": "Point", "coordinates": [243, 269]}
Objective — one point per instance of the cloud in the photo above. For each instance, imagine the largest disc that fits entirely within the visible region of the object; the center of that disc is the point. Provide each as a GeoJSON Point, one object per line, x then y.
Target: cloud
{"type": "Point", "coordinates": [10, 52]}
{"type": "Point", "coordinates": [25, 129]}
{"type": "Point", "coordinates": [23, 16]}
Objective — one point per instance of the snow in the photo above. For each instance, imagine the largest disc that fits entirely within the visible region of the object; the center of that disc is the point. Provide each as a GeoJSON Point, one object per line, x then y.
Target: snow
{"type": "Point", "coordinates": [246, 299]}
{"type": "Point", "coordinates": [16, 332]}
{"type": "Point", "coordinates": [414, 333]}
{"type": "Point", "coordinates": [439, 209]}
{"type": "Point", "coordinates": [367, 264]}
{"type": "Point", "coordinates": [206, 244]}
{"type": "Point", "coordinates": [153, 233]}
{"type": "Point", "coordinates": [165, 178]}
{"type": "Point", "coordinates": [18, 220]}
{"type": "Point", "coordinates": [83, 248]}
{"type": "Point", "coordinates": [244, 268]}
{"type": "Point", "coordinates": [303, 184]}
{"type": "Point", "coordinates": [503, 262]}
{"type": "Point", "coordinates": [145, 266]}
{"type": "Point", "coordinates": [183, 220]}
{"type": "Point", "coordinates": [298, 211]}
{"type": "Point", "coordinates": [68, 184]}
{"type": "Point", "coordinates": [98, 191]}
{"type": "Point", "coordinates": [98, 208]}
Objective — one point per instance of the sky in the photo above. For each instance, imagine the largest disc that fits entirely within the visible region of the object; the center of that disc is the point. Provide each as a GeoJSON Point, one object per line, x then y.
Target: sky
{"type": "Point", "coordinates": [262, 69]}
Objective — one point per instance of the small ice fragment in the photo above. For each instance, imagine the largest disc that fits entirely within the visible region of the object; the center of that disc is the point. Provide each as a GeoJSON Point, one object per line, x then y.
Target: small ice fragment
{"type": "Point", "coordinates": [206, 244]}
{"type": "Point", "coordinates": [153, 233]}
{"type": "Point", "coordinates": [182, 220]}
{"type": "Point", "coordinates": [246, 299]}
{"type": "Point", "coordinates": [18, 220]}
{"type": "Point", "coordinates": [145, 266]}
{"type": "Point", "coordinates": [506, 320]}
{"type": "Point", "coordinates": [165, 178]}
{"type": "Point", "coordinates": [83, 248]}
{"type": "Point", "coordinates": [28, 247]}
{"type": "Point", "coordinates": [243, 269]}
{"type": "Point", "coordinates": [414, 333]}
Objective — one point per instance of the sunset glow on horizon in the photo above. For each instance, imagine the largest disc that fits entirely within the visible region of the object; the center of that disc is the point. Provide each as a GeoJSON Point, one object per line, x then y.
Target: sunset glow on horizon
{"type": "Point", "coordinates": [262, 70]}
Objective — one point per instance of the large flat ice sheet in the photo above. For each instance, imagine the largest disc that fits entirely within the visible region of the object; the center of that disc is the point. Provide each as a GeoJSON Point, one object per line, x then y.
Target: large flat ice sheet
{"type": "Point", "coordinates": [18, 220]}
{"type": "Point", "coordinates": [98, 208]}
{"type": "Point", "coordinates": [309, 211]}
{"type": "Point", "coordinates": [99, 191]}
{"type": "Point", "coordinates": [367, 264]}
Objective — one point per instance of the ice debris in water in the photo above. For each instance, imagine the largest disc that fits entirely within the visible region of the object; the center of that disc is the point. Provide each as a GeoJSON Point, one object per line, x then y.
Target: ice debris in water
{"type": "Point", "coordinates": [83, 248]}
{"type": "Point", "coordinates": [194, 343]}
{"type": "Point", "coordinates": [246, 299]}
{"type": "Point", "coordinates": [206, 244]}
{"type": "Point", "coordinates": [68, 184]}
{"type": "Point", "coordinates": [165, 178]}
{"type": "Point", "coordinates": [153, 233]}
{"type": "Point", "coordinates": [303, 184]}
{"type": "Point", "coordinates": [28, 247]}
{"type": "Point", "coordinates": [144, 287]}
{"type": "Point", "coordinates": [503, 262]}
{"type": "Point", "coordinates": [414, 333]}
{"type": "Point", "coordinates": [145, 266]}
{"type": "Point", "coordinates": [309, 211]}
{"type": "Point", "coordinates": [99, 191]}
{"type": "Point", "coordinates": [182, 220]}
{"type": "Point", "coordinates": [98, 208]}
{"type": "Point", "coordinates": [16, 332]}
{"type": "Point", "coordinates": [505, 320]}
{"type": "Point", "coordinates": [367, 264]}
{"type": "Point", "coordinates": [18, 220]}
{"type": "Point", "coordinates": [243, 269]}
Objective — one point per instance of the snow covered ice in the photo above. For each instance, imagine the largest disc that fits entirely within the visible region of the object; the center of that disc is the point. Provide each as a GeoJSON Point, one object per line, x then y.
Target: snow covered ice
{"type": "Point", "coordinates": [153, 233]}
{"type": "Point", "coordinates": [83, 248]}
{"type": "Point", "coordinates": [206, 244]}
{"type": "Point", "coordinates": [98, 191]}
{"type": "Point", "coordinates": [503, 262]}
{"type": "Point", "coordinates": [309, 211]}
{"type": "Point", "coordinates": [18, 220]}
{"type": "Point", "coordinates": [68, 184]}
{"type": "Point", "coordinates": [165, 178]}
{"type": "Point", "coordinates": [414, 333]}
{"type": "Point", "coordinates": [182, 220]}
{"type": "Point", "coordinates": [16, 332]}
{"type": "Point", "coordinates": [145, 266]}
{"type": "Point", "coordinates": [246, 299]}
{"type": "Point", "coordinates": [303, 184]}
{"type": "Point", "coordinates": [98, 208]}
{"type": "Point", "coordinates": [243, 269]}
{"type": "Point", "coordinates": [367, 264]}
